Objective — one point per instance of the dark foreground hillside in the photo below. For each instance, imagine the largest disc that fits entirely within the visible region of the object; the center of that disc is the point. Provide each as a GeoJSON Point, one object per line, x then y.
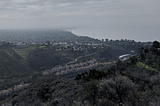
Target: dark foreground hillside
{"type": "Point", "coordinates": [134, 82]}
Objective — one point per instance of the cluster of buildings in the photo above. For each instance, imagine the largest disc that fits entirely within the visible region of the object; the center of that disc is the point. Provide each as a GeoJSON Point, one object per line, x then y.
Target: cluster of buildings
{"type": "Point", "coordinates": [125, 42]}
{"type": "Point", "coordinates": [71, 68]}
{"type": "Point", "coordinates": [49, 43]}
{"type": "Point", "coordinates": [74, 45]}
{"type": "Point", "coordinates": [11, 90]}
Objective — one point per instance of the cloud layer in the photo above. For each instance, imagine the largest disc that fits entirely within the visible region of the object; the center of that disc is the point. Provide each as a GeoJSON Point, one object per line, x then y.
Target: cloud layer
{"type": "Point", "coordinates": [121, 17]}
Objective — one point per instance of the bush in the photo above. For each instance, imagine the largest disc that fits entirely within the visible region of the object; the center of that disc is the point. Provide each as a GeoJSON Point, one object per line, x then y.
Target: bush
{"type": "Point", "coordinates": [116, 90]}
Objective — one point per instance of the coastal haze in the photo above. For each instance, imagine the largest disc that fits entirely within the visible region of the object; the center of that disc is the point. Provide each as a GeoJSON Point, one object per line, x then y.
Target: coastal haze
{"type": "Point", "coordinates": [112, 19]}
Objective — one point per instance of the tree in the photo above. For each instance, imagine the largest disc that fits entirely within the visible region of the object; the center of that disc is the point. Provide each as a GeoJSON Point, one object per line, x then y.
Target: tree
{"type": "Point", "coordinates": [156, 44]}
{"type": "Point", "coordinates": [115, 90]}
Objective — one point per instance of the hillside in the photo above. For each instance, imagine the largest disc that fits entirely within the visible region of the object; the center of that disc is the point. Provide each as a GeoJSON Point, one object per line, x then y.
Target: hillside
{"type": "Point", "coordinates": [28, 73]}
{"type": "Point", "coordinates": [11, 63]}
{"type": "Point", "coordinates": [12, 67]}
{"type": "Point", "coordinates": [134, 82]}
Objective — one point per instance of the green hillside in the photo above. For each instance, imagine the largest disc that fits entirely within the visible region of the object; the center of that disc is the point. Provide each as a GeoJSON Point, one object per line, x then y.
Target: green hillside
{"type": "Point", "coordinates": [140, 64]}
{"type": "Point", "coordinates": [23, 52]}
{"type": "Point", "coordinates": [11, 64]}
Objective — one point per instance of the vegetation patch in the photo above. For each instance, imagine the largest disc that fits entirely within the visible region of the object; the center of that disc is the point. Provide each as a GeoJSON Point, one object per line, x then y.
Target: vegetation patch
{"type": "Point", "coordinates": [58, 49]}
{"type": "Point", "coordinates": [42, 47]}
{"type": "Point", "coordinates": [23, 52]}
{"type": "Point", "coordinates": [140, 64]}
{"type": "Point", "coordinates": [107, 45]}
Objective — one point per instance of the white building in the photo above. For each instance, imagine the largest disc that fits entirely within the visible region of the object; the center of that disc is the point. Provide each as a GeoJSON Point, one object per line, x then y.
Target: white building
{"type": "Point", "coordinates": [125, 57]}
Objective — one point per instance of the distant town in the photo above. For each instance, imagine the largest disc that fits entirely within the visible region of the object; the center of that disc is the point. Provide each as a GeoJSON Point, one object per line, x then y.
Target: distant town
{"type": "Point", "coordinates": [64, 38]}
{"type": "Point", "coordinates": [78, 45]}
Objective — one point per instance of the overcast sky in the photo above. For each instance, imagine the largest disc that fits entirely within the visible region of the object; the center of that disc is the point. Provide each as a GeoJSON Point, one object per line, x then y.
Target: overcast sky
{"type": "Point", "coordinates": [113, 19]}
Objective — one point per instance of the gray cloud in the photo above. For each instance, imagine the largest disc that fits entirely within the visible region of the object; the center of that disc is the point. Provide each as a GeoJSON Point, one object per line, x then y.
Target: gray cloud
{"type": "Point", "coordinates": [117, 18]}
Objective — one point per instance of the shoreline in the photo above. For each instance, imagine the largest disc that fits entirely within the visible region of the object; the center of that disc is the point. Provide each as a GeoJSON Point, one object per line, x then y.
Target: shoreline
{"type": "Point", "coordinates": [73, 31]}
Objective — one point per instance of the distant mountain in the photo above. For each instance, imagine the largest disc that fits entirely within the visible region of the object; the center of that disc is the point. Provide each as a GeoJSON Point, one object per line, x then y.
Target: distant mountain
{"type": "Point", "coordinates": [41, 36]}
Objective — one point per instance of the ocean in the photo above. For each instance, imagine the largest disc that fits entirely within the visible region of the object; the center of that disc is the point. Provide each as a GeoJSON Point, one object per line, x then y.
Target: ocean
{"type": "Point", "coordinates": [143, 34]}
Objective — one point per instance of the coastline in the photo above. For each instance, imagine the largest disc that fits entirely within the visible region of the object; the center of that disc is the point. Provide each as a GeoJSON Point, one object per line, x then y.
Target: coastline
{"type": "Point", "coordinates": [73, 32]}
{"type": "Point", "coordinates": [110, 34]}
{"type": "Point", "coordinates": [80, 32]}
